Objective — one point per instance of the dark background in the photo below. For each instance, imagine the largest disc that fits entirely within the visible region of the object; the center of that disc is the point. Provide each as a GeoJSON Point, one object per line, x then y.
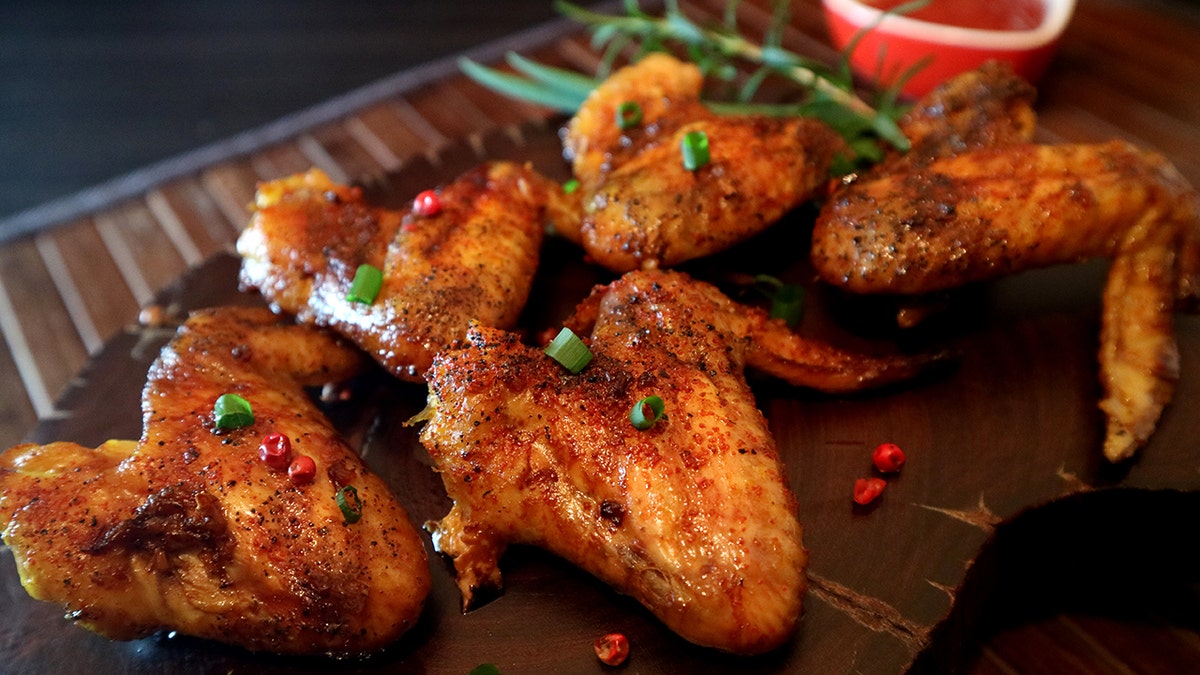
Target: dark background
{"type": "Point", "coordinates": [92, 90]}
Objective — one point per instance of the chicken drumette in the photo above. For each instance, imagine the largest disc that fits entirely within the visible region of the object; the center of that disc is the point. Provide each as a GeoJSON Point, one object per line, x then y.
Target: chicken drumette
{"type": "Point", "coordinates": [643, 208]}
{"type": "Point", "coordinates": [693, 516]}
{"type": "Point", "coordinates": [189, 530]}
{"type": "Point", "coordinates": [473, 259]}
{"type": "Point", "coordinates": [976, 200]}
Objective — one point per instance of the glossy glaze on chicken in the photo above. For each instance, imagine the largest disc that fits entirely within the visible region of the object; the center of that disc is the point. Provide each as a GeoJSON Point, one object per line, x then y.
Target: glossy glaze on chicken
{"type": "Point", "coordinates": [472, 260]}
{"type": "Point", "coordinates": [189, 530]}
{"type": "Point", "coordinates": [975, 200]}
{"type": "Point", "coordinates": [693, 517]}
{"type": "Point", "coordinates": [642, 208]}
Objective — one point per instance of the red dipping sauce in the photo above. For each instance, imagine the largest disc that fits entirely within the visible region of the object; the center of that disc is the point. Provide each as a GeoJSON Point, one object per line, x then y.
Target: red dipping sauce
{"type": "Point", "coordinates": [979, 14]}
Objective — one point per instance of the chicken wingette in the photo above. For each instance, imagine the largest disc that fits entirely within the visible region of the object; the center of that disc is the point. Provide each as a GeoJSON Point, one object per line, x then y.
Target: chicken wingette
{"type": "Point", "coordinates": [472, 258]}
{"type": "Point", "coordinates": [644, 208]}
{"type": "Point", "coordinates": [190, 530]}
{"type": "Point", "coordinates": [956, 212]}
{"type": "Point", "coordinates": [693, 516]}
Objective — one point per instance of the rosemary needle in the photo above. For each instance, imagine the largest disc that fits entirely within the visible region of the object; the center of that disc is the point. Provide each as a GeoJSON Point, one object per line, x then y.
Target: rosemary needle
{"type": "Point", "coordinates": [827, 92]}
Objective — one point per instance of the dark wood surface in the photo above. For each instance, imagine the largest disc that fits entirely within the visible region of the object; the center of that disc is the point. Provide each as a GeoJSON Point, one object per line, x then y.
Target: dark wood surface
{"type": "Point", "coordinates": [1075, 568]}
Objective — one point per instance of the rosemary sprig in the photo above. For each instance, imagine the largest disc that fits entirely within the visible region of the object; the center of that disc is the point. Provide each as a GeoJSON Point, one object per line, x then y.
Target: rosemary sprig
{"type": "Point", "coordinates": [717, 50]}
{"type": "Point", "coordinates": [556, 88]}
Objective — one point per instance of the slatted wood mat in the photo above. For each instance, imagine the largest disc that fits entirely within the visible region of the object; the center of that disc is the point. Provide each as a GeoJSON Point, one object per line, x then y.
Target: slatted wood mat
{"type": "Point", "coordinates": [1126, 69]}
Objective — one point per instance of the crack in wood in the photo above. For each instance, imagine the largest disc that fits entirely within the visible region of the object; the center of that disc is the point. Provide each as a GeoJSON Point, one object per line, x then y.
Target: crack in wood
{"type": "Point", "coordinates": [1072, 483]}
{"type": "Point", "coordinates": [950, 591]}
{"type": "Point", "coordinates": [870, 612]}
{"type": "Point", "coordinates": [981, 516]}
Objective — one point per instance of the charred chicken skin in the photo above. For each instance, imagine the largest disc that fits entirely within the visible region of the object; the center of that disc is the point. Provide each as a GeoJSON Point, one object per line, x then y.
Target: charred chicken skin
{"type": "Point", "coordinates": [190, 530]}
{"type": "Point", "coordinates": [642, 208]}
{"type": "Point", "coordinates": [693, 516]}
{"type": "Point", "coordinates": [958, 211]}
{"type": "Point", "coordinates": [474, 259]}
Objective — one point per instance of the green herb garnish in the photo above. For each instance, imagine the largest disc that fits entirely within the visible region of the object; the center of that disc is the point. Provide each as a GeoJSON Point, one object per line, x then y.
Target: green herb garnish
{"type": "Point", "coordinates": [694, 148]}
{"type": "Point", "coordinates": [349, 503]}
{"type": "Point", "coordinates": [651, 404]}
{"type": "Point", "coordinates": [368, 279]}
{"type": "Point", "coordinates": [569, 351]}
{"type": "Point", "coordinates": [787, 300]}
{"type": "Point", "coordinates": [629, 115]}
{"type": "Point", "coordinates": [232, 412]}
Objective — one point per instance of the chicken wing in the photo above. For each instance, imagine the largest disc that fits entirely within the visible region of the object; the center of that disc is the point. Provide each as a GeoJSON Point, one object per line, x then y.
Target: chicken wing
{"type": "Point", "coordinates": [643, 209]}
{"type": "Point", "coordinates": [189, 530]}
{"type": "Point", "coordinates": [692, 517]}
{"type": "Point", "coordinates": [474, 259]}
{"type": "Point", "coordinates": [989, 107]}
{"type": "Point", "coordinates": [954, 216]}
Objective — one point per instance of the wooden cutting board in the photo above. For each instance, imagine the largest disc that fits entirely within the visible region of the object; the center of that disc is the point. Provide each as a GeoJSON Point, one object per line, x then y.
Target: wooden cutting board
{"type": "Point", "coordinates": [1004, 508]}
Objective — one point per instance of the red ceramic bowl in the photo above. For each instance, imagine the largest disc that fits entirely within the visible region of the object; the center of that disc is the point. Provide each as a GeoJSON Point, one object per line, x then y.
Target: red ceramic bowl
{"type": "Point", "coordinates": [894, 42]}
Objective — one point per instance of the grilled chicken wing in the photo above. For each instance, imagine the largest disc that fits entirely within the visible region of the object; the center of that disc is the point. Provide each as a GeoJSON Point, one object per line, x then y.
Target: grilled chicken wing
{"type": "Point", "coordinates": [474, 259]}
{"type": "Point", "coordinates": [974, 211]}
{"type": "Point", "coordinates": [988, 107]}
{"type": "Point", "coordinates": [643, 209]}
{"type": "Point", "coordinates": [188, 530]}
{"type": "Point", "coordinates": [692, 517]}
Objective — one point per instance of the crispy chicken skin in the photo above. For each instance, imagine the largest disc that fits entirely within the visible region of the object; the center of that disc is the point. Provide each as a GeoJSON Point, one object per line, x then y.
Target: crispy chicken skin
{"type": "Point", "coordinates": [692, 517]}
{"type": "Point", "coordinates": [643, 209]}
{"type": "Point", "coordinates": [984, 108]}
{"type": "Point", "coordinates": [475, 259]}
{"type": "Point", "coordinates": [188, 530]}
{"type": "Point", "coordinates": [965, 212]}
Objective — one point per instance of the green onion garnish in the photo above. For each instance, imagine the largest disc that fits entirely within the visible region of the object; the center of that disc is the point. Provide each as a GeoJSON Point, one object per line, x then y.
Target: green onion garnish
{"type": "Point", "coordinates": [350, 511]}
{"type": "Point", "coordinates": [368, 279]}
{"type": "Point", "coordinates": [629, 115]}
{"type": "Point", "coordinates": [570, 186]}
{"type": "Point", "coordinates": [694, 147]}
{"type": "Point", "coordinates": [787, 300]}
{"type": "Point", "coordinates": [569, 350]}
{"type": "Point", "coordinates": [637, 414]}
{"type": "Point", "coordinates": [787, 303]}
{"type": "Point", "coordinates": [232, 412]}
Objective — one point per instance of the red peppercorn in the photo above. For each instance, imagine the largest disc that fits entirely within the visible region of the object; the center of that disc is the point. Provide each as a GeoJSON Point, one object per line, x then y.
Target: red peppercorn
{"type": "Point", "coordinates": [888, 457]}
{"type": "Point", "coordinates": [302, 470]}
{"type": "Point", "coordinates": [276, 451]}
{"type": "Point", "coordinates": [427, 203]}
{"type": "Point", "coordinates": [612, 649]}
{"type": "Point", "coordinates": [867, 490]}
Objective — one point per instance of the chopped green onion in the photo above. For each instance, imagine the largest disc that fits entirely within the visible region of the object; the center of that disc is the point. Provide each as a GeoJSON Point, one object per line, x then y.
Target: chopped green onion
{"type": "Point", "coordinates": [368, 279]}
{"type": "Point", "coordinates": [629, 115]}
{"type": "Point", "coordinates": [787, 300]}
{"type": "Point", "coordinates": [570, 186]}
{"type": "Point", "coordinates": [485, 669]}
{"type": "Point", "coordinates": [787, 303]}
{"type": "Point", "coordinates": [569, 351]}
{"type": "Point", "coordinates": [232, 412]}
{"type": "Point", "coordinates": [694, 147]}
{"type": "Point", "coordinates": [637, 414]}
{"type": "Point", "coordinates": [351, 512]}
